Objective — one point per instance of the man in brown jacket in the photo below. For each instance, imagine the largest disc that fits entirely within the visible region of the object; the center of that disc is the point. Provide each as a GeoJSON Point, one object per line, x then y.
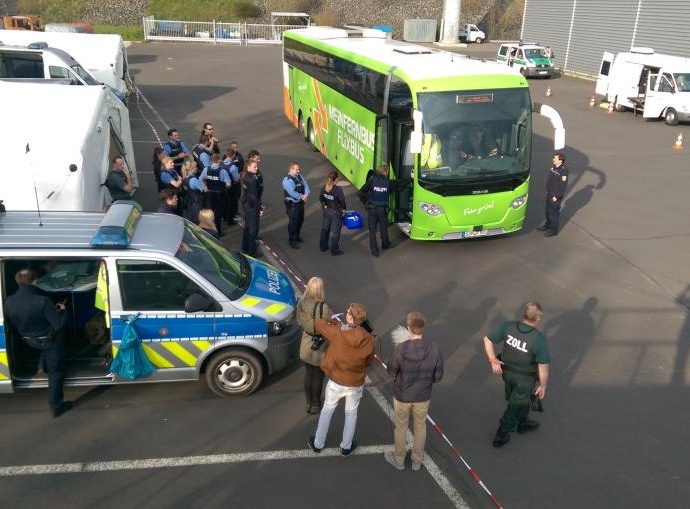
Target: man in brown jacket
{"type": "Point", "coordinates": [350, 351]}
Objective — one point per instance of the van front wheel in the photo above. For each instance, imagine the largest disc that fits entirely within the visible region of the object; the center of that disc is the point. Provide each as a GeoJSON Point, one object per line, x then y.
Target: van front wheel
{"type": "Point", "coordinates": [671, 116]}
{"type": "Point", "coordinates": [479, 40]}
{"type": "Point", "coordinates": [234, 373]}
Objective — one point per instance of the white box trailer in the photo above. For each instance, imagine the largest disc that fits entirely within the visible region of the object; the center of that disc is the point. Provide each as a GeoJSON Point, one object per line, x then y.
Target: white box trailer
{"type": "Point", "coordinates": [103, 55]}
{"type": "Point", "coordinates": [57, 143]}
{"type": "Point", "coordinates": [656, 84]}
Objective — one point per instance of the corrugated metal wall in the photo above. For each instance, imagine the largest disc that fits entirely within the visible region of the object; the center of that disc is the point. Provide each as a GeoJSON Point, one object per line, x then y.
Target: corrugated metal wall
{"type": "Point", "coordinates": [590, 27]}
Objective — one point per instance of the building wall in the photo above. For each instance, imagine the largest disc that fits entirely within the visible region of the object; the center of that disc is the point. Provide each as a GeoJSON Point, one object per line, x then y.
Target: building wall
{"type": "Point", "coordinates": [587, 28]}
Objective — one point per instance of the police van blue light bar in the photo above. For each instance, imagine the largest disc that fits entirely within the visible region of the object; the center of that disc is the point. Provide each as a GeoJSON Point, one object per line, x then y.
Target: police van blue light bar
{"type": "Point", "coordinates": [117, 227]}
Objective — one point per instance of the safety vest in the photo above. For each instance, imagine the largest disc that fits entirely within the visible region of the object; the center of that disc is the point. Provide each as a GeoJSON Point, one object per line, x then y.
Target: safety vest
{"type": "Point", "coordinates": [174, 148]}
{"type": "Point", "coordinates": [102, 293]}
{"type": "Point", "coordinates": [518, 349]}
{"type": "Point", "coordinates": [213, 182]}
{"type": "Point", "coordinates": [299, 187]}
{"type": "Point", "coordinates": [431, 151]}
{"type": "Point", "coordinates": [378, 190]}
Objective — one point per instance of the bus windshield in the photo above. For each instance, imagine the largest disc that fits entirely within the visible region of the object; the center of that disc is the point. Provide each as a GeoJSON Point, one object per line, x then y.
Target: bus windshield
{"type": "Point", "coordinates": [229, 272]}
{"type": "Point", "coordinates": [482, 138]}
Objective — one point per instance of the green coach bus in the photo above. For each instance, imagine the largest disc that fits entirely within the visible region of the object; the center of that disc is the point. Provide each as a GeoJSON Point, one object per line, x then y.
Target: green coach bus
{"type": "Point", "coordinates": [460, 126]}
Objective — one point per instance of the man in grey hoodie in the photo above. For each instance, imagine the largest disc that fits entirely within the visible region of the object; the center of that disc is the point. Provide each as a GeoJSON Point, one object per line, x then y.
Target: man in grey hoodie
{"type": "Point", "coordinates": [415, 365]}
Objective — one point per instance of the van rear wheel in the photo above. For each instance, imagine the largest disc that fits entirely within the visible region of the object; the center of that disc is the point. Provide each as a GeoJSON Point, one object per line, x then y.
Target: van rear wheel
{"type": "Point", "coordinates": [479, 40]}
{"type": "Point", "coordinates": [234, 373]}
{"type": "Point", "coordinates": [671, 116]}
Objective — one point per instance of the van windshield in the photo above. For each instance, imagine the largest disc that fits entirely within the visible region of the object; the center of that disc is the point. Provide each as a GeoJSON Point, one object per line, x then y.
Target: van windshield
{"type": "Point", "coordinates": [682, 81]}
{"type": "Point", "coordinates": [84, 75]}
{"type": "Point", "coordinates": [229, 272]}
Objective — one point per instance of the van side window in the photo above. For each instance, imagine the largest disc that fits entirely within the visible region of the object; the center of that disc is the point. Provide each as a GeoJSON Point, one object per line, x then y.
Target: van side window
{"type": "Point", "coordinates": [665, 84]}
{"type": "Point", "coordinates": [58, 72]}
{"type": "Point", "coordinates": [148, 285]}
{"type": "Point", "coordinates": [503, 51]}
{"type": "Point", "coordinates": [21, 67]}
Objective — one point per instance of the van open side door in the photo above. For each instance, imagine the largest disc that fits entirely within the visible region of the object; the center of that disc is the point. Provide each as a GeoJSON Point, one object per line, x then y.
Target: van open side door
{"type": "Point", "coordinates": [604, 71]}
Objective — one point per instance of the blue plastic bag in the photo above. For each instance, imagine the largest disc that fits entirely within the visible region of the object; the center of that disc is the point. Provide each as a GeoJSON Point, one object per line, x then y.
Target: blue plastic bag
{"type": "Point", "coordinates": [130, 361]}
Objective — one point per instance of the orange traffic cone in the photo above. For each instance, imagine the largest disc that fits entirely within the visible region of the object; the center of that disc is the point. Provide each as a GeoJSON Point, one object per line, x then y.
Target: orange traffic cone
{"type": "Point", "coordinates": [678, 145]}
{"type": "Point", "coordinates": [591, 102]}
{"type": "Point", "coordinates": [548, 91]}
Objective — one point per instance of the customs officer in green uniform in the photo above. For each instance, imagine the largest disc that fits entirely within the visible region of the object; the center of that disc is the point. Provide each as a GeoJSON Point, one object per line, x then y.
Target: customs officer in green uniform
{"type": "Point", "coordinates": [524, 366]}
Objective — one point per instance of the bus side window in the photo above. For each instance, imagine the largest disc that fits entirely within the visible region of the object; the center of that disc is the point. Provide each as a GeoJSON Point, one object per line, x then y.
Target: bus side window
{"type": "Point", "coordinates": [147, 285]}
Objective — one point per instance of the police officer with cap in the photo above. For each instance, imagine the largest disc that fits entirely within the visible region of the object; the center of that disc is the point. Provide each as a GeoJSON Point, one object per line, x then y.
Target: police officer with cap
{"type": "Point", "coordinates": [39, 323]}
{"type": "Point", "coordinates": [375, 195]}
{"type": "Point", "coordinates": [524, 366]}
{"type": "Point", "coordinates": [296, 191]}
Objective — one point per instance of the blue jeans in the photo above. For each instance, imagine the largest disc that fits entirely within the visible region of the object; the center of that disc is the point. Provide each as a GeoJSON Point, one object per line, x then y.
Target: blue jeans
{"type": "Point", "coordinates": [334, 393]}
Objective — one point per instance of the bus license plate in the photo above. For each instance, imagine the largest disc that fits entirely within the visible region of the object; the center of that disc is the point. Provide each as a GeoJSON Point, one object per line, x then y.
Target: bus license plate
{"type": "Point", "coordinates": [542, 72]}
{"type": "Point", "coordinates": [480, 233]}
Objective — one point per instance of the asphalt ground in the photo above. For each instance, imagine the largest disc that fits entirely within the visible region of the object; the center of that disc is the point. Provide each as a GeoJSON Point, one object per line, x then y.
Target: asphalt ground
{"type": "Point", "coordinates": [614, 284]}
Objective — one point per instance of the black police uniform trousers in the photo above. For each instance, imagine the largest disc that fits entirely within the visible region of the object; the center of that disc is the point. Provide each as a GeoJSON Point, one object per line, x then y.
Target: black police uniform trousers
{"type": "Point", "coordinates": [295, 212]}
{"type": "Point", "coordinates": [552, 212]}
{"type": "Point", "coordinates": [518, 390]}
{"type": "Point", "coordinates": [53, 362]}
{"type": "Point", "coordinates": [377, 217]}
{"type": "Point", "coordinates": [251, 230]}
{"type": "Point", "coordinates": [330, 229]}
{"type": "Point", "coordinates": [233, 198]}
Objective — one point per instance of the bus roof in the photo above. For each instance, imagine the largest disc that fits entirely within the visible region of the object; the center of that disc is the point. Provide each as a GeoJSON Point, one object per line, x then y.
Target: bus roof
{"type": "Point", "coordinates": [75, 230]}
{"type": "Point", "coordinates": [371, 48]}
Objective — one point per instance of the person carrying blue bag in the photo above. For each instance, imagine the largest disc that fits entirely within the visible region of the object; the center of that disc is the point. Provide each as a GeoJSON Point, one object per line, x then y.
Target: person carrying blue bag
{"type": "Point", "coordinates": [131, 361]}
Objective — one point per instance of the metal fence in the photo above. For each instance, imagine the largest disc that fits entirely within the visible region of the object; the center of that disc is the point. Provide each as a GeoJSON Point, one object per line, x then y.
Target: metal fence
{"type": "Point", "coordinates": [214, 32]}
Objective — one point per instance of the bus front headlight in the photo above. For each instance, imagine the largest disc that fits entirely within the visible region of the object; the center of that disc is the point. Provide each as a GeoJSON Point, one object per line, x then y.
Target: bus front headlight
{"type": "Point", "coordinates": [519, 201]}
{"type": "Point", "coordinates": [431, 209]}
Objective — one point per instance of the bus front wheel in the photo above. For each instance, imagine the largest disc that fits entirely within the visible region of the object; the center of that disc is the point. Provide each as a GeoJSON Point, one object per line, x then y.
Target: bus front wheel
{"type": "Point", "coordinates": [312, 136]}
{"type": "Point", "coordinates": [234, 373]}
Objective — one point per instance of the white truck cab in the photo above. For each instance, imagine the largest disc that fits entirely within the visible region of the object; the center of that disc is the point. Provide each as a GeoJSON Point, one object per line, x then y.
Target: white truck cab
{"type": "Point", "coordinates": [642, 80]}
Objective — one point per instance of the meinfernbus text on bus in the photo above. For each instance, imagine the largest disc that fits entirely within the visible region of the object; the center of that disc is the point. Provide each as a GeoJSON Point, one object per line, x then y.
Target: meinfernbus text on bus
{"type": "Point", "coordinates": [460, 126]}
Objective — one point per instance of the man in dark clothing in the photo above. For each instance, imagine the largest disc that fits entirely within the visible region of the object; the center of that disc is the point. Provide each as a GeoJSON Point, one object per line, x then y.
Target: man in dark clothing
{"type": "Point", "coordinates": [524, 366]}
{"type": "Point", "coordinates": [39, 323]}
{"type": "Point", "coordinates": [415, 365]}
{"type": "Point", "coordinates": [168, 203]}
{"type": "Point", "coordinates": [251, 205]}
{"type": "Point", "coordinates": [375, 195]}
{"type": "Point", "coordinates": [118, 181]}
{"type": "Point", "coordinates": [556, 185]}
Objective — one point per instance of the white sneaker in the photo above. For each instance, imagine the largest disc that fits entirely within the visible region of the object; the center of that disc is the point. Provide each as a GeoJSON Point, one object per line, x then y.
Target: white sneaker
{"type": "Point", "coordinates": [389, 456]}
{"type": "Point", "coordinates": [416, 465]}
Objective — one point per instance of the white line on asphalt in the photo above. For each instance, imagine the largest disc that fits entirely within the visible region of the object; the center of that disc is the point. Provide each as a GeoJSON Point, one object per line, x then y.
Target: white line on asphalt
{"type": "Point", "coordinates": [435, 472]}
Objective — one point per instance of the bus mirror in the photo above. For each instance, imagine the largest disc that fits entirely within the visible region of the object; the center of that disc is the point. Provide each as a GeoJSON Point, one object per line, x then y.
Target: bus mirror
{"type": "Point", "coordinates": [417, 116]}
{"type": "Point", "coordinates": [559, 139]}
{"type": "Point", "coordinates": [416, 135]}
{"type": "Point", "coordinates": [415, 142]}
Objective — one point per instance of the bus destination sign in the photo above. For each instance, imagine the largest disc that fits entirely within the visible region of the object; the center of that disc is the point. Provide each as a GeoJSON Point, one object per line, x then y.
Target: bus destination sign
{"type": "Point", "coordinates": [474, 99]}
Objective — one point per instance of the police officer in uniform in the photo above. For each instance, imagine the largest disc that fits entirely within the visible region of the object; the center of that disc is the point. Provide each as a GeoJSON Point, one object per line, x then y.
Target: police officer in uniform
{"type": "Point", "coordinates": [175, 148]}
{"type": "Point", "coordinates": [375, 195]}
{"type": "Point", "coordinates": [39, 323]}
{"type": "Point", "coordinates": [524, 366]}
{"type": "Point", "coordinates": [296, 192]}
{"type": "Point", "coordinates": [251, 206]}
{"type": "Point", "coordinates": [332, 200]}
{"type": "Point", "coordinates": [217, 180]}
{"type": "Point", "coordinates": [556, 185]}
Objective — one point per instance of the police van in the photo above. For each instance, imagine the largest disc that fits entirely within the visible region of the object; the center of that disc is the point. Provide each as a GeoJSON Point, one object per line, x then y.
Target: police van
{"type": "Point", "coordinates": [532, 60]}
{"type": "Point", "coordinates": [198, 309]}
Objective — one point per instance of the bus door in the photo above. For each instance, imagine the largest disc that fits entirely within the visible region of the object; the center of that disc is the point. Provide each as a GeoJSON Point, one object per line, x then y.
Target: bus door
{"type": "Point", "coordinates": [403, 165]}
{"type": "Point", "coordinates": [382, 147]}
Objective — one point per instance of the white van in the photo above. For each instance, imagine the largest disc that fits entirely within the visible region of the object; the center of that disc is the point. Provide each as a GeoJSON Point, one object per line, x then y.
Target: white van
{"type": "Point", "coordinates": [60, 139]}
{"type": "Point", "coordinates": [200, 310]}
{"type": "Point", "coordinates": [642, 80]}
{"type": "Point", "coordinates": [103, 55]}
